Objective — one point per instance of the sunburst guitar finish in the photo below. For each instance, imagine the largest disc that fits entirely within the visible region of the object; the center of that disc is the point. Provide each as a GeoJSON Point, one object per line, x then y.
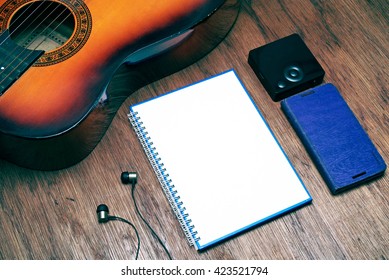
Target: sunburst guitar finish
{"type": "Point", "coordinates": [66, 66]}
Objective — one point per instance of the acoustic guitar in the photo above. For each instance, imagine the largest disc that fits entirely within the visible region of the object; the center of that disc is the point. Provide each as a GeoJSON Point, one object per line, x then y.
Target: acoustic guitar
{"type": "Point", "coordinates": [66, 66]}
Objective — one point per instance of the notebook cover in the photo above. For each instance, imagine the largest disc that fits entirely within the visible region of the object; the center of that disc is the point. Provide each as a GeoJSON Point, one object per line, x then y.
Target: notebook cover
{"type": "Point", "coordinates": [341, 149]}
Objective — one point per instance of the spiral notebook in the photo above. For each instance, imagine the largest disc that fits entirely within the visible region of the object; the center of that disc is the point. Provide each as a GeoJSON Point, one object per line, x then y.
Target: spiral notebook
{"type": "Point", "coordinates": [219, 164]}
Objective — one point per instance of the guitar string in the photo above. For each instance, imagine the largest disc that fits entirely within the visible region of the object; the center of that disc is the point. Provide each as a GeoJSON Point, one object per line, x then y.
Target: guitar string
{"type": "Point", "coordinates": [33, 30]}
{"type": "Point", "coordinates": [25, 49]}
{"type": "Point", "coordinates": [10, 65]}
{"type": "Point", "coordinates": [30, 34]}
{"type": "Point", "coordinates": [34, 20]}
{"type": "Point", "coordinates": [20, 16]}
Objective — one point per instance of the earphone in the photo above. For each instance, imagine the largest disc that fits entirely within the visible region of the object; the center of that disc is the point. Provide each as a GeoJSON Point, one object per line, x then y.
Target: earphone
{"type": "Point", "coordinates": [103, 217]}
{"type": "Point", "coordinates": [103, 212]}
{"type": "Point", "coordinates": [129, 178]}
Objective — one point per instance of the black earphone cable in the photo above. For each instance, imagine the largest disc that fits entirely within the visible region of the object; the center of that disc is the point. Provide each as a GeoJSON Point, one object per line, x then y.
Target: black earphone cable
{"type": "Point", "coordinates": [115, 218]}
{"type": "Point", "coordinates": [103, 213]}
{"type": "Point", "coordinates": [148, 225]}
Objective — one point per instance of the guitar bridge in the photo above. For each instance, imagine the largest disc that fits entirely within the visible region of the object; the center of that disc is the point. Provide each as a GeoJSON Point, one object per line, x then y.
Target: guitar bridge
{"type": "Point", "coordinates": [14, 61]}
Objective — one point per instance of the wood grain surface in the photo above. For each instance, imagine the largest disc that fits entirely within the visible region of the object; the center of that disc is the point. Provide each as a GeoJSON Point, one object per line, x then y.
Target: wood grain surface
{"type": "Point", "coordinates": [52, 215]}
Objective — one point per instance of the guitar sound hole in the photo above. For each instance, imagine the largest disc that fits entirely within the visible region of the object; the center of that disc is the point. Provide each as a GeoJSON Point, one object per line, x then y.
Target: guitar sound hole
{"type": "Point", "coordinates": [42, 25]}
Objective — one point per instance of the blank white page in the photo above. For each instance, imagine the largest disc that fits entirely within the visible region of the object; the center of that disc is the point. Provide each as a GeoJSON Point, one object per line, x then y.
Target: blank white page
{"type": "Point", "coordinates": [227, 168]}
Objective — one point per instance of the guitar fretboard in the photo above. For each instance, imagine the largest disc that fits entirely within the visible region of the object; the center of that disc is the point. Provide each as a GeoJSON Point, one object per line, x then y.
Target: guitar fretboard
{"type": "Point", "coordinates": [14, 61]}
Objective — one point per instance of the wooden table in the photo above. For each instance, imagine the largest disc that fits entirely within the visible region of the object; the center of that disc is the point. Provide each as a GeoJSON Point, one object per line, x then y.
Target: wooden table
{"type": "Point", "coordinates": [52, 214]}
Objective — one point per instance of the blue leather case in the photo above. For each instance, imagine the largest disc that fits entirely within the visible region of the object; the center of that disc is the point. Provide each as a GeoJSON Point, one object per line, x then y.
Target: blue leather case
{"type": "Point", "coordinates": [337, 143]}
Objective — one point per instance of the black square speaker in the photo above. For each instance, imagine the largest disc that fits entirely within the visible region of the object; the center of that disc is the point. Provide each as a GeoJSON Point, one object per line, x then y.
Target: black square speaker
{"type": "Point", "coordinates": [286, 67]}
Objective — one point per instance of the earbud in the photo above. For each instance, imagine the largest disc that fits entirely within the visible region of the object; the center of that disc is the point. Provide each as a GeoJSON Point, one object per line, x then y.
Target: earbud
{"type": "Point", "coordinates": [129, 178]}
{"type": "Point", "coordinates": [102, 213]}
{"type": "Point", "coordinates": [103, 217]}
{"type": "Point", "coordinates": [102, 210]}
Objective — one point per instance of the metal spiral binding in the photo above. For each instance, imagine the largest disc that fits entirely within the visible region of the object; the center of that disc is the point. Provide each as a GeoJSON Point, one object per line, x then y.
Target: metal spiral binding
{"type": "Point", "coordinates": [163, 178]}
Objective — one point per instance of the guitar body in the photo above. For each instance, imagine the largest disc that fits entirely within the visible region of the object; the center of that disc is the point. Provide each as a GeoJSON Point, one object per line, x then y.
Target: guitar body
{"type": "Point", "coordinates": [56, 104]}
